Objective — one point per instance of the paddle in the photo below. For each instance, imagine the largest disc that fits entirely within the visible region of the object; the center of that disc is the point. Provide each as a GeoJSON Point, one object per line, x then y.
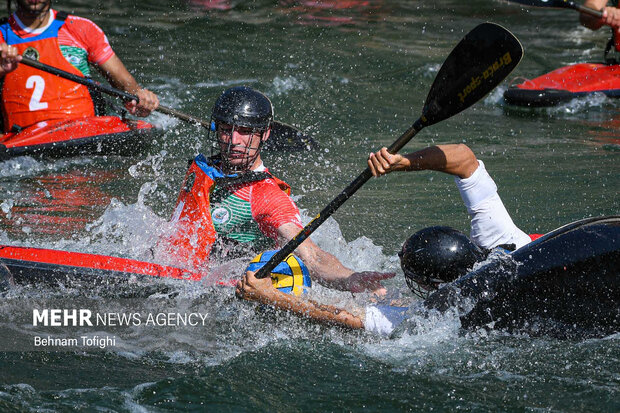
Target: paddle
{"type": "Point", "coordinates": [482, 59]}
{"type": "Point", "coordinates": [560, 4]}
{"type": "Point", "coordinates": [283, 136]}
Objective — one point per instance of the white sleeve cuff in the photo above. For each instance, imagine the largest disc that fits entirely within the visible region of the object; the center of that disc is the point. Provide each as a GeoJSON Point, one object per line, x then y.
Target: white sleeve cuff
{"type": "Point", "coordinates": [383, 319]}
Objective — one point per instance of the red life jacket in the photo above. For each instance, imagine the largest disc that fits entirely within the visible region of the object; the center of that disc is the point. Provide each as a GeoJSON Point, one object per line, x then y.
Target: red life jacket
{"type": "Point", "coordinates": [30, 95]}
{"type": "Point", "coordinates": [194, 232]}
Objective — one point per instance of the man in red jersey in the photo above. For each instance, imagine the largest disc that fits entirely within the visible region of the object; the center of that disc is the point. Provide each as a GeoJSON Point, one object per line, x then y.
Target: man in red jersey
{"type": "Point", "coordinates": [230, 205]}
{"type": "Point", "coordinates": [69, 43]}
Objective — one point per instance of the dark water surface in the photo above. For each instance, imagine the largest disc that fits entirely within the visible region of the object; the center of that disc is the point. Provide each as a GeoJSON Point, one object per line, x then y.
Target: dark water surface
{"type": "Point", "coordinates": [354, 75]}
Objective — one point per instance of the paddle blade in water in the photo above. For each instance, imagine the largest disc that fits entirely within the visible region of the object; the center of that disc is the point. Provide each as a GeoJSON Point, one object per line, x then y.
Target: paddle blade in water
{"type": "Point", "coordinates": [484, 57]}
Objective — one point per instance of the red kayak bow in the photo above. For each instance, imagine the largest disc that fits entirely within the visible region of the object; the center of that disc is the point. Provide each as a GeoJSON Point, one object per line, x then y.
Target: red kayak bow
{"type": "Point", "coordinates": [95, 135]}
{"type": "Point", "coordinates": [25, 265]}
{"type": "Point", "coordinates": [566, 83]}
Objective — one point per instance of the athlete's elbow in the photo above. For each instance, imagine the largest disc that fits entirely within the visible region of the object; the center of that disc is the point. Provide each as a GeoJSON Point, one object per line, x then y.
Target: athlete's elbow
{"type": "Point", "coordinates": [468, 163]}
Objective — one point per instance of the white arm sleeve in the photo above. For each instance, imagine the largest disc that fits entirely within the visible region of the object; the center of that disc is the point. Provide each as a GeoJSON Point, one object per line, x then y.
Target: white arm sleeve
{"type": "Point", "coordinates": [383, 319]}
{"type": "Point", "coordinates": [491, 224]}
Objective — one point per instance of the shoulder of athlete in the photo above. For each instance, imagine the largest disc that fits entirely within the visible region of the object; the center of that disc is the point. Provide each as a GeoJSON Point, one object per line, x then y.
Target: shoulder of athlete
{"type": "Point", "coordinates": [271, 205]}
{"type": "Point", "coordinates": [272, 187]}
{"type": "Point", "coordinates": [84, 29]}
{"type": "Point", "coordinates": [87, 35]}
{"type": "Point", "coordinates": [72, 19]}
{"type": "Point", "coordinates": [272, 183]}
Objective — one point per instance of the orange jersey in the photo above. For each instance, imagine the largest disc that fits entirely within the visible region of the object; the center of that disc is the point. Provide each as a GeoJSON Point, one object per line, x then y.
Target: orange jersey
{"type": "Point", "coordinates": [30, 95]}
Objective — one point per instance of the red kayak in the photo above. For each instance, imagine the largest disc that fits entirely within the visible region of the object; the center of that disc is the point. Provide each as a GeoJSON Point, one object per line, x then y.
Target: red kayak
{"type": "Point", "coordinates": [95, 135]}
{"type": "Point", "coordinates": [26, 265]}
{"type": "Point", "coordinates": [566, 83]}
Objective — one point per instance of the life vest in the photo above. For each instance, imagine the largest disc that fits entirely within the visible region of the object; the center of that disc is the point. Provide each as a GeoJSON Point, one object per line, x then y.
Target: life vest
{"type": "Point", "coordinates": [30, 95]}
{"type": "Point", "coordinates": [195, 233]}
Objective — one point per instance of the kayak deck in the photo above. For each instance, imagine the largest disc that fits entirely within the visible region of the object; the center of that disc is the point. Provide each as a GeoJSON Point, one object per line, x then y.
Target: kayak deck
{"type": "Point", "coordinates": [96, 135]}
{"type": "Point", "coordinates": [565, 284]}
{"type": "Point", "coordinates": [27, 265]}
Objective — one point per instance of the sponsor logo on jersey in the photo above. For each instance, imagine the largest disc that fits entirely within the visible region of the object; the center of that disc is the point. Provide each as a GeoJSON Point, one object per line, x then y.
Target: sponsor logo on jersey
{"type": "Point", "coordinates": [220, 215]}
{"type": "Point", "coordinates": [31, 53]}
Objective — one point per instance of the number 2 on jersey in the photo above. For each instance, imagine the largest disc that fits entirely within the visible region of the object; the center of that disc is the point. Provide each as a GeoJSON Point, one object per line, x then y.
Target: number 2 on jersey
{"type": "Point", "coordinates": [38, 83]}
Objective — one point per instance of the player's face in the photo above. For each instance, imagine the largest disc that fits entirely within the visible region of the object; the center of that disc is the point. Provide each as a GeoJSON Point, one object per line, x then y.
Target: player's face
{"type": "Point", "coordinates": [240, 145]}
{"type": "Point", "coordinates": [33, 7]}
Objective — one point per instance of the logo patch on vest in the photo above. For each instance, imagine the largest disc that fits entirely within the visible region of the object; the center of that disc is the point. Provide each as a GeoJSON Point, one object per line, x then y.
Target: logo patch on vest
{"type": "Point", "coordinates": [31, 53]}
{"type": "Point", "coordinates": [220, 215]}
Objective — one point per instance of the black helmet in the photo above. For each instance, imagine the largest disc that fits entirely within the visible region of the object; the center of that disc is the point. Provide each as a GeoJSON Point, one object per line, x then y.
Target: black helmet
{"type": "Point", "coordinates": [240, 107]}
{"type": "Point", "coordinates": [243, 106]}
{"type": "Point", "coordinates": [437, 255]}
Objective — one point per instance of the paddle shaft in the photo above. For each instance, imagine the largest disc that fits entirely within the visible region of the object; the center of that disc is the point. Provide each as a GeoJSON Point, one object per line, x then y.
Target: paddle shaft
{"type": "Point", "coordinates": [565, 4]}
{"type": "Point", "coordinates": [482, 59]}
{"type": "Point", "coordinates": [586, 10]}
{"type": "Point", "coordinates": [335, 204]}
{"type": "Point", "coordinates": [568, 4]}
{"type": "Point", "coordinates": [109, 90]}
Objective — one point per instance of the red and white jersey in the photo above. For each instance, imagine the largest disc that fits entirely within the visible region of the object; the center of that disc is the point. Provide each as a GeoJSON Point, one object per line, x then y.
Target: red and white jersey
{"type": "Point", "coordinates": [252, 210]}
{"type": "Point", "coordinates": [270, 206]}
{"type": "Point", "coordinates": [209, 208]}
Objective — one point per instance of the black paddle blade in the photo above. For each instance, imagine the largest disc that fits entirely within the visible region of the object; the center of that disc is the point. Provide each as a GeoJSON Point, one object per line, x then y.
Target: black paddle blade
{"type": "Point", "coordinates": [480, 61]}
{"type": "Point", "coordinates": [287, 138]}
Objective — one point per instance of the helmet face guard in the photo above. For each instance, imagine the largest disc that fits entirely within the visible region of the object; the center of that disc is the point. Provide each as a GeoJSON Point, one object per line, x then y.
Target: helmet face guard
{"type": "Point", "coordinates": [239, 147]}
{"type": "Point", "coordinates": [241, 121]}
{"type": "Point", "coordinates": [420, 285]}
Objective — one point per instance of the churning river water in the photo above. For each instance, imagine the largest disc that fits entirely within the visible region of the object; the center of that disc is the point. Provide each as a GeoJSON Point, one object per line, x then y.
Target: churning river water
{"type": "Point", "coordinates": [353, 75]}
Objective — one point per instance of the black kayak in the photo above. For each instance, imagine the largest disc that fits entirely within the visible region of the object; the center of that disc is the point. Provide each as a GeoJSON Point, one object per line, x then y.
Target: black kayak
{"type": "Point", "coordinates": [565, 284]}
